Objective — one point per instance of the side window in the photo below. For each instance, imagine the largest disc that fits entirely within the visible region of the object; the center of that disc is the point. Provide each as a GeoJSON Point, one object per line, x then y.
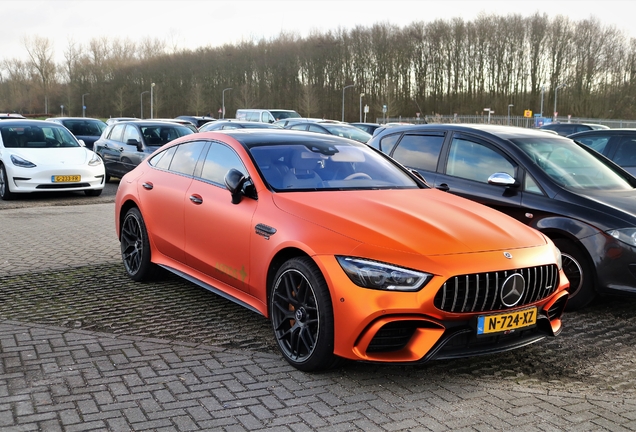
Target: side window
{"type": "Point", "coordinates": [388, 142]}
{"type": "Point", "coordinates": [131, 132]}
{"type": "Point", "coordinates": [626, 152]}
{"type": "Point", "coordinates": [299, 127]}
{"type": "Point", "coordinates": [598, 143]}
{"type": "Point", "coordinates": [186, 156]}
{"type": "Point", "coordinates": [530, 185]}
{"type": "Point", "coordinates": [419, 151]}
{"type": "Point", "coordinates": [219, 160]}
{"type": "Point", "coordinates": [162, 160]}
{"type": "Point", "coordinates": [117, 132]}
{"type": "Point", "coordinates": [474, 161]}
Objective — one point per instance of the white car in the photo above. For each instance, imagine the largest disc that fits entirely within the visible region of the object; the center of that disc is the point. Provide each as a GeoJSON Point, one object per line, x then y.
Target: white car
{"type": "Point", "coordinates": [41, 156]}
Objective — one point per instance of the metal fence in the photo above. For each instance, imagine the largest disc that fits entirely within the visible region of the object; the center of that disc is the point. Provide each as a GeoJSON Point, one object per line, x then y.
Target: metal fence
{"type": "Point", "coordinates": [518, 121]}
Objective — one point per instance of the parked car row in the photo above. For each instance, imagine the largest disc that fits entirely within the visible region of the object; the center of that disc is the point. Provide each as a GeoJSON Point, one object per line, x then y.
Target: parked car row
{"type": "Point", "coordinates": [427, 242]}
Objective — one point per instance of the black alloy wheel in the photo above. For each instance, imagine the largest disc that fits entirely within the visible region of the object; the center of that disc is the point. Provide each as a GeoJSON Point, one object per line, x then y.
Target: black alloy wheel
{"type": "Point", "coordinates": [135, 247]}
{"type": "Point", "coordinates": [302, 315]}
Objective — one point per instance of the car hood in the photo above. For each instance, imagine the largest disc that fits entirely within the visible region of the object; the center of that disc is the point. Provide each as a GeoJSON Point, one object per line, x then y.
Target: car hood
{"type": "Point", "coordinates": [53, 156]}
{"type": "Point", "coordinates": [619, 204]}
{"type": "Point", "coordinates": [422, 221]}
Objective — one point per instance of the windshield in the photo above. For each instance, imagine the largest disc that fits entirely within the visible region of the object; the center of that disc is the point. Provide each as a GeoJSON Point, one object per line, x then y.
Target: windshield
{"type": "Point", "coordinates": [37, 137]}
{"type": "Point", "coordinates": [571, 166]}
{"type": "Point", "coordinates": [327, 167]}
{"type": "Point", "coordinates": [85, 127]}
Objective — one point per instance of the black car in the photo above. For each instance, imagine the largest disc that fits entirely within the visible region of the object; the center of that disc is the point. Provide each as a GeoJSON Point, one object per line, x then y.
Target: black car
{"type": "Point", "coordinates": [84, 128]}
{"type": "Point", "coordinates": [123, 145]}
{"type": "Point", "coordinates": [617, 144]}
{"type": "Point", "coordinates": [326, 127]}
{"type": "Point", "coordinates": [198, 121]}
{"type": "Point", "coordinates": [236, 124]}
{"type": "Point", "coordinates": [566, 129]}
{"type": "Point", "coordinates": [583, 201]}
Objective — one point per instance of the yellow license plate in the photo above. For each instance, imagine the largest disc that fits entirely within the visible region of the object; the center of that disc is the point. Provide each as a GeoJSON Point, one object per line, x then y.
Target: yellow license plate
{"type": "Point", "coordinates": [66, 179]}
{"type": "Point", "coordinates": [498, 323]}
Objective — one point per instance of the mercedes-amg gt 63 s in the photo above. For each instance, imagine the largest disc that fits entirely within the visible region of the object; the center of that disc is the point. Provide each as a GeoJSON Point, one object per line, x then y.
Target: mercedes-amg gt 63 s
{"type": "Point", "coordinates": [347, 253]}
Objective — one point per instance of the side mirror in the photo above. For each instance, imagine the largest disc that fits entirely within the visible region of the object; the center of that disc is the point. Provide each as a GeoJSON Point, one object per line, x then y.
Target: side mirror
{"type": "Point", "coordinates": [134, 142]}
{"type": "Point", "coordinates": [82, 143]}
{"type": "Point", "coordinates": [419, 175]}
{"type": "Point", "coordinates": [234, 181]}
{"type": "Point", "coordinates": [502, 179]}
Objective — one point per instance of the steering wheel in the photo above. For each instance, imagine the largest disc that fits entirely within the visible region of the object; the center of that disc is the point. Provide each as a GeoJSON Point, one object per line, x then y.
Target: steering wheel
{"type": "Point", "coordinates": [358, 175]}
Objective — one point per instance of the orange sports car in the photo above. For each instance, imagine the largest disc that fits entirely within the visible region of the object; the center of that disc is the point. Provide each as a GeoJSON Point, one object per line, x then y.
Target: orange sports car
{"type": "Point", "coordinates": [349, 254]}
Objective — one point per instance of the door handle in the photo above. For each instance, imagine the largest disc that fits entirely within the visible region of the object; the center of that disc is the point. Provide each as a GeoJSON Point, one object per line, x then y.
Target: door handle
{"type": "Point", "coordinates": [443, 187]}
{"type": "Point", "coordinates": [148, 185]}
{"type": "Point", "coordinates": [196, 199]}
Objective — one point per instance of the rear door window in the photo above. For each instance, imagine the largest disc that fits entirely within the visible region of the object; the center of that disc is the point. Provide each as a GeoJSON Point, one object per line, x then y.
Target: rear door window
{"type": "Point", "coordinates": [419, 151]}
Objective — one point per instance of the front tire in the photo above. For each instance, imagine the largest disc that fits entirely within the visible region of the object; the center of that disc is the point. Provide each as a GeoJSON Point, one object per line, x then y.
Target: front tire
{"type": "Point", "coordinates": [579, 272]}
{"type": "Point", "coordinates": [301, 314]}
{"type": "Point", "coordinates": [5, 191]}
{"type": "Point", "coordinates": [135, 247]}
{"type": "Point", "coordinates": [93, 192]}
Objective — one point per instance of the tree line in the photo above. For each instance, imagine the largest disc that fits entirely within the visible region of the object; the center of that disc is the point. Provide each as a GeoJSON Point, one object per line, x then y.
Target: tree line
{"type": "Point", "coordinates": [426, 68]}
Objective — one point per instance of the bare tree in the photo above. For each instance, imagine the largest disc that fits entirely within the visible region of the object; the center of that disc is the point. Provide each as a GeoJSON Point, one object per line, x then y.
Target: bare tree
{"type": "Point", "coordinates": [40, 51]}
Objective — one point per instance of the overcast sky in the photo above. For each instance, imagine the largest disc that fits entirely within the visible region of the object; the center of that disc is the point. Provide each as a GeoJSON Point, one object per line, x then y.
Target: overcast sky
{"type": "Point", "coordinates": [195, 23]}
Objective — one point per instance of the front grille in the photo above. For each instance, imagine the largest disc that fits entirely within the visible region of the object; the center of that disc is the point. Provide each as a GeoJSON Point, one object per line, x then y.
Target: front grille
{"type": "Point", "coordinates": [481, 292]}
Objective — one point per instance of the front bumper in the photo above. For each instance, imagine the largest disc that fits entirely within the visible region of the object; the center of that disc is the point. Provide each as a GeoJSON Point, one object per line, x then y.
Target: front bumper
{"type": "Point", "coordinates": [407, 327]}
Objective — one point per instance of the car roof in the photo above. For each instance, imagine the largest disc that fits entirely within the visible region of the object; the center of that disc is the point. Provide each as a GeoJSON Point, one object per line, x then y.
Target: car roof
{"type": "Point", "coordinates": [29, 122]}
{"type": "Point", "coordinates": [5, 116]}
{"type": "Point", "coordinates": [256, 137]}
{"type": "Point", "coordinates": [613, 131]}
{"type": "Point", "coordinates": [504, 132]}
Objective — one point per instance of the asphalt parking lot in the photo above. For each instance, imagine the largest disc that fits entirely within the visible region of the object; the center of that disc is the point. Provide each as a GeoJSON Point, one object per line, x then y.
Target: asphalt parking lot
{"type": "Point", "coordinates": [85, 348]}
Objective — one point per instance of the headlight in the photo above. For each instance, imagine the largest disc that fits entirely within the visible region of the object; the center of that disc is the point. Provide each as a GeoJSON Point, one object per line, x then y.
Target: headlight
{"type": "Point", "coordinates": [18, 161]}
{"type": "Point", "coordinates": [382, 276]}
{"type": "Point", "coordinates": [95, 160]}
{"type": "Point", "coordinates": [626, 235]}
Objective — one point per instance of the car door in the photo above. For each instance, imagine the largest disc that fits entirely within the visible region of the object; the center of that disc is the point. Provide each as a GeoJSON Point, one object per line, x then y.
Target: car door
{"type": "Point", "coordinates": [218, 232]}
{"type": "Point", "coordinates": [162, 196]}
{"type": "Point", "coordinates": [110, 149]}
{"type": "Point", "coordinates": [131, 155]}
{"type": "Point", "coordinates": [468, 163]}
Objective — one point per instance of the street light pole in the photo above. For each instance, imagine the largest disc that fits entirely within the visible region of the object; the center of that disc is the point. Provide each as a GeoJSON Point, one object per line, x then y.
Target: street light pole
{"type": "Point", "coordinates": [343, 93]}
{"type": "Point", "coordinates": [542, 91]}
{"type": "Point", "coordinates": [223, 97]}
{"type": "Point", "coordinates": [361, 96]}
{"type": "Point", "coordinates": [509, 106]}
{"type": "Point", "coordinates": [152, 86]}
{"type": "Point", "coordinates": [555, 99]}
{"type": "Point", "coordinates": [141, 97]}
{"type": "Point", "coordinates": [84, 106]}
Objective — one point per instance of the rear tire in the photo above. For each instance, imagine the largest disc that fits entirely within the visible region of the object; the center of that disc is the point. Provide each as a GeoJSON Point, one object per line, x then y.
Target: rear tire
{"type": "Point", "coordinates": [578, 270]}
{"type": "Point", "coordinates": [135, 247]}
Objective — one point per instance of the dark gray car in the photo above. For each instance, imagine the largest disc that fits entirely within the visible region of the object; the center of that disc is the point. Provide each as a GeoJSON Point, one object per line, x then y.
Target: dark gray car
{"type": "Point", "coordinates": [124, 145]}
{"type": "Point", "coordinates": [84, 128]}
